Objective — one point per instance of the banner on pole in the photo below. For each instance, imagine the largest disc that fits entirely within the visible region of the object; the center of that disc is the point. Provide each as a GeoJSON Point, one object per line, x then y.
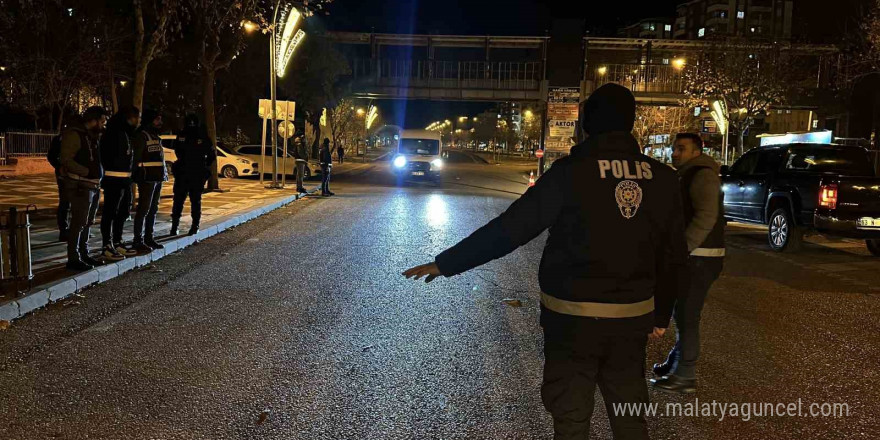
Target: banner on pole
{"type": "Point", "coordinates": [285, 110]}
{"type": "Point", "coordinates": [562, 114]}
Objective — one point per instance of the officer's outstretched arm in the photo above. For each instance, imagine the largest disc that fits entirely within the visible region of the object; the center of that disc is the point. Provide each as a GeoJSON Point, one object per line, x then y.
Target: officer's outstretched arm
{"type": "Point", "coordinates": [524, 220]}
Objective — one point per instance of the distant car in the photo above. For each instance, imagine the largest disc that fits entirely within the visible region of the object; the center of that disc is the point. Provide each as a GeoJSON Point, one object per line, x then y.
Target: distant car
{"type": "Point", "coordinates": [229, 165]}
{"type": "Point", "coordinates": [252, 152]}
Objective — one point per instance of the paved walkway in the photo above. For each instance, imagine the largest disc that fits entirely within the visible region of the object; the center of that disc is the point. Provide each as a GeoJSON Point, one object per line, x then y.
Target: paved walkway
{"type": "Point", "coordinates": [49, 254]}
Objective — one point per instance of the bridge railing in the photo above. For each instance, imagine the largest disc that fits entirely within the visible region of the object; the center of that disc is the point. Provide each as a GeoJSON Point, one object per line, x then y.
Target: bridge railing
{"type": "Point", "coordinates": [496, 75]}
{"type": "Point", "coordinates": [640, 78]}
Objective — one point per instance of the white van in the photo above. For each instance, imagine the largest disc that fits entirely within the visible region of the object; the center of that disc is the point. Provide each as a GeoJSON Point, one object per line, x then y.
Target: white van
{"type": "Point", "coordinates": [418, 155]}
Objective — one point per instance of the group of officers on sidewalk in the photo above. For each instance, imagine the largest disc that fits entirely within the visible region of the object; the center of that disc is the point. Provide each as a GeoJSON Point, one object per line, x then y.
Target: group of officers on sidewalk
{"type": "Point", "coordinates": [117, 155]}
{"type": "Point", "coordinates": [632, 243]}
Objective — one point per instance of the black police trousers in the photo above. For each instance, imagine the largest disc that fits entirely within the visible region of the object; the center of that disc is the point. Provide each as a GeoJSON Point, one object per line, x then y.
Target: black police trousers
{"type": "Point", "coordinates": [574, 363]}
{"type": "Point", "coordinates": [193, 189]}
{"type": "Point", "coordinates": [117, 201]}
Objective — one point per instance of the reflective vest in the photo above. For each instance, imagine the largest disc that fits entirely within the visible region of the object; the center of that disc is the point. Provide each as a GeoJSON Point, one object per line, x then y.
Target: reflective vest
{"type": "Point", "coordinates": [151, 167]}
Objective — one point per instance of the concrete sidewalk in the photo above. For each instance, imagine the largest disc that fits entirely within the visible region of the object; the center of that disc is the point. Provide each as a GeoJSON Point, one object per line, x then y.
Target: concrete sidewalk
{"type": "Point", "coordinates": [242, 200]}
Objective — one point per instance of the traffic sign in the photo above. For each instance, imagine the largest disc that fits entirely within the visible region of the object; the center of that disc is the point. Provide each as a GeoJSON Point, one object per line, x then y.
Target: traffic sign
{"type": "Point", "coordinates": [286, 129]}
{"type": "Point", "coordinates": [539, 153]}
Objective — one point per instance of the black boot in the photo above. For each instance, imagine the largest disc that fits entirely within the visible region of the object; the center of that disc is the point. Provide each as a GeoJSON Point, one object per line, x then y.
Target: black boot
{"type": "Point", "coordinates": [140, 247]}
{"type": "Point", "coordinates": [675, 385]}
{"type": "Point", "coordinates": [78, 265]}
{"type": "Point", "coordinates": [193, 230]}
{"type": "Point", "coordinates": [175, 226]}
{"type": "Point", "coordinates": [152, 243]}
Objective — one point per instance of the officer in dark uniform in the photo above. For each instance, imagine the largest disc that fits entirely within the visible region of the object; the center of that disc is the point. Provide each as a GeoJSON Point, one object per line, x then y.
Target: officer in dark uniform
{"type": "Point", "coordinates": [195, 154]}
{"type": "Point", "coordinates": [326, 160]}
{"type": "Point", "coordinates": [610, 269]}
{"type": "Point", "coordinates": [301, 153]}
{"type": "Point", "coordinates": [704, 229]}
{"type": "Point", "coordinates": [117, 155]}
{"type": "Point", "coordinates": [149, 174]}
{"type": "Point", "coordinates": [81, 173]}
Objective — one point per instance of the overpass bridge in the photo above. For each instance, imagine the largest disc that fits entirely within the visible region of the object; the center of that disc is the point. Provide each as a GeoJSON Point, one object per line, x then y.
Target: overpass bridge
{"type": "Point", "coordinates": [514, 68]}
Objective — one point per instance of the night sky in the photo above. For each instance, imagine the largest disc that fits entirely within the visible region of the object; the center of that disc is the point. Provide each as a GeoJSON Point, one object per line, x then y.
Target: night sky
{"type": "Point", "coordinates": [813, 21]}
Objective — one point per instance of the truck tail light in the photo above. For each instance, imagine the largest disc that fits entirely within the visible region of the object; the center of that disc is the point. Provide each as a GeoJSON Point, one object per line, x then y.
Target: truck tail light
{"type": "Point", "coordinates": [828, 196]}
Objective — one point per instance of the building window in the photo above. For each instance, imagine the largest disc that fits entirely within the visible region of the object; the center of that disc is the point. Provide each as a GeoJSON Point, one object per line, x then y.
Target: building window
{"type": "Point", "coordinates": [701, 32]}
{"type": "Point", "coordinates": [667, 28]}
{"type": "Point", "coordinates": [723, 14]}
{"type": "Point", "coordinates": [665, 60]}
{"type": "Point", "coordinates": [740, 14]}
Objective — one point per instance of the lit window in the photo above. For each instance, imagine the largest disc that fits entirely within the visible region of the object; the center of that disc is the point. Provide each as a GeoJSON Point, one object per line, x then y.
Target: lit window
{"type": "Point", "coordinates": [667, 28]}
{"type": "Point", "coordinates": [723, 14]}
{"type": "Point", "coordinates": [652, 27]}
{"type": "Point", "coordinates": [740, 14]}
{"type": "Point", "coordinates": [701, 32]}
{"type": "Point", "coordinates": [665, 60]}
{"type": "Point", "coordinates": [70, 12]}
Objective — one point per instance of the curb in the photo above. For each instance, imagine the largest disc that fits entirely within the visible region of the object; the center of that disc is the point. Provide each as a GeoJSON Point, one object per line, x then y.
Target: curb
{"type": "Point", "coordinates": [59, 290]}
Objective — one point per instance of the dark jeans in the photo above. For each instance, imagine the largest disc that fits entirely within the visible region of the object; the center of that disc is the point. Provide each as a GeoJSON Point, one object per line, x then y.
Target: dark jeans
{"type": "Point", "coordinates": [80, 195]}
{"type": "Point", "coordinates": [148, 205]}
{"type": "Point", "coordinates": [574, 363]}
{"type": "Point", "coordinates": [63, 206]}
{"type": "Point", "coordinates": [703, 271]}
{"type": "Point", "coordinates": [117, 201]}
{"type": "Point", "coordinates": [325, 179]}
{"type": "Point", "coordinates": [93, 208]}
{"type": "Point", "coordinates": [193, 190]}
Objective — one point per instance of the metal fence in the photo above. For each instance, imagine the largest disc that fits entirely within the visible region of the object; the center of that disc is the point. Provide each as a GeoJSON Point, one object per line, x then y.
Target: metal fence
{"type": "Point", "coordinates": [20, 144]}
{"type": "Point", "coordinates": [450, 74]}
{"type": "Point", "coordinates": [645, 78]}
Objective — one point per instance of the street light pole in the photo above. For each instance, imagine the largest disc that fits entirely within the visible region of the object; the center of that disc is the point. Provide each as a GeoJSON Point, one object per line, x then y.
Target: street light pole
{"type": "Point", "coordinates": [273, 95]}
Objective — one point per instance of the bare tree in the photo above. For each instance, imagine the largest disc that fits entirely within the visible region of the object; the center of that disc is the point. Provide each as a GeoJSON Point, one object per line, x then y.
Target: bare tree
{"type": "Point", "coordinates": [748, 77]}
{"type": "Point", "coordinates": [156, 21]}
{"type": "Point", "coordinates": [220, 37]}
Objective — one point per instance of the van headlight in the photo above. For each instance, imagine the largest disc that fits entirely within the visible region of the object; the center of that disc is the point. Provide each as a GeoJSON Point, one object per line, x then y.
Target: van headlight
{"type": "Point", "coordinates": [437, 164]}
{"type": "Point", "coordinates": [244, 161]}
{"type": "Point", "coordinates": [399, 162]}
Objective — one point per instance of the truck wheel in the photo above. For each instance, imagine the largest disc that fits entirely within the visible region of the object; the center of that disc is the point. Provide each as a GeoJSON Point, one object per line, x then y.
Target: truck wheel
{"type": "Point", "coordinates": [873, 247]}
{"type": "Point", "coordinates": [782, 234]}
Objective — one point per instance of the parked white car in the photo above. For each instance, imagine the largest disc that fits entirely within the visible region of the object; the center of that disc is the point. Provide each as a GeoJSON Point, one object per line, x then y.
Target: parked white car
{"type": "Point", "coordinates": [229, 165]}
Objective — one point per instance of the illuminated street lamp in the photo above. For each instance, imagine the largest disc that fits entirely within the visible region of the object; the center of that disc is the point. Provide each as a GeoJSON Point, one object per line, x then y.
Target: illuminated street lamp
{"type": "Point", "coordinates": [280, 52]}
{"type": "Point", "coordinates": [719, 114]}
{"type": "Point", "coordinates": [361, 112]}
{"type": "Point", "coordinates": [678, 63]}
{"type": "Point", "coordinates": [602, 70]}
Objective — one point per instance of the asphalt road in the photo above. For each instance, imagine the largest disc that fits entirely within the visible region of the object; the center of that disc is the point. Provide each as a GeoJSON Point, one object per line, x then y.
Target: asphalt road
{"type": "Point", "coordinates": [298, 325]}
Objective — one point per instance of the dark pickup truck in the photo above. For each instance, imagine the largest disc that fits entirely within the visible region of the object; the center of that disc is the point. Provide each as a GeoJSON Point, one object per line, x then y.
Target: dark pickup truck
{"type": "Point", "coordinates": [798, 188]}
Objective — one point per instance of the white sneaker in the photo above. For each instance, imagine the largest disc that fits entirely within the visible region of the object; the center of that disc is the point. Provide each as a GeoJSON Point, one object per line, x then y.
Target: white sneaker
{"type": "Point", "coordinates": [111, 254]}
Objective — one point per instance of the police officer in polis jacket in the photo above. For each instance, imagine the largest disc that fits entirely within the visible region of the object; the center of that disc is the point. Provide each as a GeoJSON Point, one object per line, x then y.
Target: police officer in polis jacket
{"type": "Point", "coordinates": [81, 174]}
{"type": "Point", "coordinates": [149, 174]}
{"type": "Point", "coordinates": [610, 269]}
{"type": "Point", "coordinates": [117, 154]}
{"type": "Point", "coordinates": [704, 230]}
{"type": "Point", "coordinates": [195, 154]}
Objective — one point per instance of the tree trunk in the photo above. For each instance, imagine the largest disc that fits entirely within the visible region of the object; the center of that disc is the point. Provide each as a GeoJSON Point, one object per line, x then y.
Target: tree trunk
{"type": "Point", "coordinates": [61, 120]}
{"type": "Point", "coordinates": [140, 81]}
{"type": "Point", "coordinates": [114, 100]}
{"type": "Point", "coordinates": [210, 121]}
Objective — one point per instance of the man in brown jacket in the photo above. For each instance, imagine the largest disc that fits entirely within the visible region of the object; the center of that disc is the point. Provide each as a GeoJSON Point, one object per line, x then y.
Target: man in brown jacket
{"type": "Point", "coordinates": [703, 205]}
